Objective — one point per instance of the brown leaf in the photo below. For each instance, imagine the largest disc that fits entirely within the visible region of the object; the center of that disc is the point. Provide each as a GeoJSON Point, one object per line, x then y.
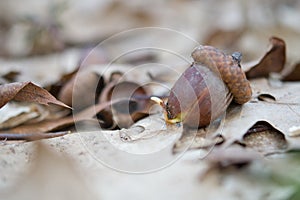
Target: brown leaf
{"type": "Point", "coordinates": [85, 87]}
{"type": "Point", "coordinates": [27, 91]}
{"type": "Point", "coordinates": [55, 88]}
{"type": "Point", "coordinates": [50, 125]}
{"type": "Point", "coordinates": [84, 77]}
{"type": "Point", "coordinates": [14, 114]}
{"type": "Point", "coordinates": [294, 75]}
{"type": "Point", "coordinates": [133, 102]}
{"type": "Point", "coordinates": [272, 61]}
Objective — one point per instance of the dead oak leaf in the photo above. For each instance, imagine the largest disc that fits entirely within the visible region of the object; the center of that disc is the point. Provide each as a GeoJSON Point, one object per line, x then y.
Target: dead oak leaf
{"type": "Point", "coordinates": [27, 91]}
{"type": "Point", "coordinates": [133, 102]}
{"type": "Point", "coordinates": [143, 147]}
{"type": "Point", "coordinates": [272, 61]}
{"type": "Point", "coordinates": [294, 74]}
{"type": "Point", "coordinates": [50, 125]}
{"type": "Point", "coordinates": [264, 138]}
{"type": "Point", "coordinates": [281, 114]}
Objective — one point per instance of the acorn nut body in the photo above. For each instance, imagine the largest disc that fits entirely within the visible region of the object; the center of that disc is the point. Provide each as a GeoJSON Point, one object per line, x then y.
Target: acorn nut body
{"type": "Point", "coordinates": [205, 89]}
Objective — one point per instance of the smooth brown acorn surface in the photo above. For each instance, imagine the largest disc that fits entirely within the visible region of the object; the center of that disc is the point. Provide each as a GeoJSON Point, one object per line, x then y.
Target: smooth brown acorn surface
{"type": "Point", "coordinates": [198, 97]}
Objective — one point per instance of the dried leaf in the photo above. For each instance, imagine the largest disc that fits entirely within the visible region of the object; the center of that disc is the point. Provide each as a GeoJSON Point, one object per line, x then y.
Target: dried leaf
{"type": "Point", "coordinates": [265, 139]}
{"type": "Point", "coordinates": [133, 102]}
{"type": "Point", "coordinates": [203, 138]}
{"type": "Point", "coordinates": [144, 147]}
{"type": "Point", "coordinates": [281, 114]}
{"type": "Point", "coordinates": [147, 135]}
{"type": "Point", "coordinates": [294, 74]}
{"type": "Point", "coordinates": [55, 88]}
{"type": "Point", "coordinates": [50, 125]}
{"type": "Point", "coordinates": [272, 61]}
{"type": "Point", "coordinates": [84, 88]}
{"type": "Point", "coordinates": [27, 91]}
{"type": "Point", "coordinates": [12, 115]}
{"type": "Point", "coordinates": [80, 82]}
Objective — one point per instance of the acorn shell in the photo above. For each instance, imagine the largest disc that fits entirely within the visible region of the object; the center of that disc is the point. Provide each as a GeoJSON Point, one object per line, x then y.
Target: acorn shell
{"type": "Point", "coordinates": [198, 97]}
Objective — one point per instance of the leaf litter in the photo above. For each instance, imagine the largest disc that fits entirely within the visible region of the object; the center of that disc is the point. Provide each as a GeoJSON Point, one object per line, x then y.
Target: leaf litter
{"type": "Point", "coordinates": [27, 91]}
{"type": "Point", "coordinates": [265, 126]}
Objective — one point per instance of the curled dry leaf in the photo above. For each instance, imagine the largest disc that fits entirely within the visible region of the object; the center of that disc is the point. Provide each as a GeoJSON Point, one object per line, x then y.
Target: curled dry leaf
{"type": "Point", "coordinates": [56, 87]}
{"type": "Point", "coordinates": [13, 114]}
{"type": "Point", "coordinates": [204, 138]}
{"type": "Point", "coordinates": [293, 75]}
{"type": "Point", "coordinates": [27, 91]}
{"type": "Point", "coordinates": [264, 138]}
{"type": "Point", "coordinates": [281, 114]}
{"type": "Point", "coordinates": [16, 113]}
{"type": "Point", "coordinates": [87, 58]}
{"type": "Point", "coordinates": [84, 88]}
{"type": "Point", "coordinates": [272, 61]}
{"type": "Point", "coordinates": [51, 125]}
{"type": "Point", "coordinates": [133, 102]}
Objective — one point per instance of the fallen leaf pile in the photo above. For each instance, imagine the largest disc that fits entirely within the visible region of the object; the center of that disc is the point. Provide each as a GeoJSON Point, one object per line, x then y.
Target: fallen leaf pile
{"type": "Point", "coordinates": [116, 100]}
{"type": "Point", "coordinates": [82, 80]}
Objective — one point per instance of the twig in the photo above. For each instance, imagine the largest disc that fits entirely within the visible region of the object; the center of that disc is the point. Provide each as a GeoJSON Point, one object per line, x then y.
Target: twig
{"type": "Point", "coordinates": [31, 136]}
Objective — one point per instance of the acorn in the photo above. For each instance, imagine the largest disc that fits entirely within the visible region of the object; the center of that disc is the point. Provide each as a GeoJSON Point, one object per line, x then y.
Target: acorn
{"type": "Point", "coordinates": [204, 91]}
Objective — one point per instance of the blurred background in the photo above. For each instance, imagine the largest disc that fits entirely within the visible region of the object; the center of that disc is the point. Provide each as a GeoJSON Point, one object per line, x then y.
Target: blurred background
{"type": "Point", "coordinates": [41, 27]}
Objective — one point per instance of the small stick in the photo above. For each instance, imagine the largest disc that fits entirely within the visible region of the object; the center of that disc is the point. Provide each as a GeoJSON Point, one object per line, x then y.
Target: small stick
{"type": "Point", "coordinates": [31, 136]}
